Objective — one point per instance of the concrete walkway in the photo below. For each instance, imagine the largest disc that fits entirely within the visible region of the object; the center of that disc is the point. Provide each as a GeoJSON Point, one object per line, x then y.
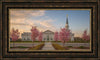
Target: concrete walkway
{"type": "Point", "coordinates": [48, 46]}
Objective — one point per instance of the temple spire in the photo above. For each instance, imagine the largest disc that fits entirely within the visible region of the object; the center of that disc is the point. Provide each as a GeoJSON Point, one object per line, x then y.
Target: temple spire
{"type": "Point", "coordinates": [67, 19]}
{"type": "Point", "coordinates": [67, 26]}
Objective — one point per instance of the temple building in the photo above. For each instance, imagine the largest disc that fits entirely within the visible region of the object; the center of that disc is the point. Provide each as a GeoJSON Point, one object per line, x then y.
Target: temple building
{"type": "Point", "coordinates": [47, 35]}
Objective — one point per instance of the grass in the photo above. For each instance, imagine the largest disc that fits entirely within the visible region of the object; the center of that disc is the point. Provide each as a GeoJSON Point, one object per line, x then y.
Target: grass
{"type": "Point", "coordinates": [69, 46]}
{"type": "Point", "coordinates": [38, 47]}
{"type": "Point", "coordinates": [77, 42]}
{"type": "Point", "coordinates": [31, 41]}
{"type": "Point", "coordinates": [26, 42]}
{"type": "Point", "coordinates": [19, 47]}
{"type": "Point", "coordinates": [81, 47]}
{"type": "Point", "coordinates": [55, 41]}
{"type": "Point", "coordinates": [80, 41]}
{"type": "Point", "coordinates": [58, 47]}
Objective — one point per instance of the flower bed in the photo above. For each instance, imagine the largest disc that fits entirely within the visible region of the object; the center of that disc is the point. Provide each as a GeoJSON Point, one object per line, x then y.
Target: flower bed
{"type": "Point", "coordinates": [58, 47]}
{"type": "Point", "coordinates": [38, 47]}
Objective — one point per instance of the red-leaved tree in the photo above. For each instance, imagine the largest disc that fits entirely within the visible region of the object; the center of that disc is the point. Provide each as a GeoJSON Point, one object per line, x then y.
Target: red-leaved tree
{"type": "Point", "coordinates": [85, 36]}
{"type": "Point", "coordinates": [64, 35]}
{"type": "Point", "coordinates": [40, 36]}
{"type": "Point", "coordinates": [56, 36]}
{"type": "Point", "coordinates": [34, 33]}
{"type": "Point", "coordinates": [14, 35]}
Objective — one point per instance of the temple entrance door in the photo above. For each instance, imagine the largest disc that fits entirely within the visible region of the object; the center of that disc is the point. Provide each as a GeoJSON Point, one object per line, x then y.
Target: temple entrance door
{"type": "Point", "coordinates": [48, 38]}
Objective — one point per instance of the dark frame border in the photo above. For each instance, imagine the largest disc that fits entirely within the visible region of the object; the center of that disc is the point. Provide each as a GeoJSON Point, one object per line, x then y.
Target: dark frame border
{"type": "Point", "coordinates": [94, 5]}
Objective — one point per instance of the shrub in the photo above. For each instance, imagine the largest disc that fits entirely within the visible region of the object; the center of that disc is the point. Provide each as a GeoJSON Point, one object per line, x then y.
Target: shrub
{"type": "Point", "coordinates": [58, 47]}
{"type": "Point", "coordinates": [38, 47]}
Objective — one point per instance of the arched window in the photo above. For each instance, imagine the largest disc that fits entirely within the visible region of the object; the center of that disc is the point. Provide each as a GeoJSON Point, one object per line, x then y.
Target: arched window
{"type": "Point", "coordinates": [47, 37]}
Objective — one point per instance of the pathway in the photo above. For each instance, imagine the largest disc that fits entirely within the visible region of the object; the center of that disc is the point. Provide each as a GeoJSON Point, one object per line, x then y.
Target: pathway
{"type": "Point", "coordinates": [48, 46]}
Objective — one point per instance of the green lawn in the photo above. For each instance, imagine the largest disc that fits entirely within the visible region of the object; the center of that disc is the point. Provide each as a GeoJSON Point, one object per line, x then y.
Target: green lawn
{"type": "Point", "coordinates": [19, 47]}
{"type": "Point", "coordinates": [78, 42]}
{"type": "Point", "coordinates": [51, 41]}
{"type": "Point", "coordinates": [26, 42]}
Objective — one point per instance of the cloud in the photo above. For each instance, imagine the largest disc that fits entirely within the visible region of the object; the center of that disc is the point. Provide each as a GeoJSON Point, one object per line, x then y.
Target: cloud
{"type": "Point", "coordinates": [42, 25]}
{"type": "Point", "coordinates": [46, 25]}
{"type": "Point", "coordinates": [22, 20]}
{"type": "Point", "coordinates": [21, 13]}
{"type": "Point", "coordinates": [38, 13]}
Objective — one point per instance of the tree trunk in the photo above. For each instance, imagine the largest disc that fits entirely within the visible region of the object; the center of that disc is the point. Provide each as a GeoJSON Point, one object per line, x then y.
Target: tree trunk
{"type": "Point", "coordinates": [64, 44]}
{"type": "Point", "coordinates": [33, 43]}
{"type": "Point", "coordinates": [13, 44]}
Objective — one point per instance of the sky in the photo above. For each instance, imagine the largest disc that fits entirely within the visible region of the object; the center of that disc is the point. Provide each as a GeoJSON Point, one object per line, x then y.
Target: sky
{"type": "Point", "coordinates": [24, 19]}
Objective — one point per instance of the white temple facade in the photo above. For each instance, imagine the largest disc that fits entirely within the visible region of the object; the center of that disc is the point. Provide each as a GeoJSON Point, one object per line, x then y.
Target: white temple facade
{"type": "Point", "coordinates": [47, 35]}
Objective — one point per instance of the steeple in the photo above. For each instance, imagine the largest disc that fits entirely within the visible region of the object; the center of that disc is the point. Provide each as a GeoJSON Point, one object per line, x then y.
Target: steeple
{"type": "Point", "coordinates": [67, 20]}
{"type": "Point", "coordinates": [67, 26]}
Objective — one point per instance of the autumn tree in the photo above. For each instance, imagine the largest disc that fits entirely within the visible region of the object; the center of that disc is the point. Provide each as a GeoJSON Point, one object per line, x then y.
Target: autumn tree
{"type": "Point", "coordinates": [34, 33]}
{"type": "Point", "coordinates": [40, 36]}
{"type": "Point", "coordinates": [64, 35]}
{"type": "Point", "coordinates": [85, 36]}
{"type": "Point", "coordinates": [14, 35]}
{"type": "Point", "coordinates": [56, 36]}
